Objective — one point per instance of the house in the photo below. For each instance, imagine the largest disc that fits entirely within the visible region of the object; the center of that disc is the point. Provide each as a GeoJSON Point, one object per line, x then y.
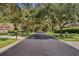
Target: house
{"type": "Point", "coordinates": [5, 27]}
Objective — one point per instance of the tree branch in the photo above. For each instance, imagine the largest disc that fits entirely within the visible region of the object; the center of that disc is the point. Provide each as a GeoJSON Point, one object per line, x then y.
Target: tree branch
{"type": "Point", "coordinates": [65, 23]}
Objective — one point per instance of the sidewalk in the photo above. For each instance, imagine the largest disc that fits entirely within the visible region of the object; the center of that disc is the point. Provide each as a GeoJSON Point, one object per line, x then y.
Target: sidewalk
{"type": "Point", "coordinates": [2, 36]}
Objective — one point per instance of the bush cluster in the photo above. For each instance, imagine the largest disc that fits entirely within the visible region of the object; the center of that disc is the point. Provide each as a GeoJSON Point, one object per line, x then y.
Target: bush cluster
{"type": "Point", "coordinates": [69, 31]}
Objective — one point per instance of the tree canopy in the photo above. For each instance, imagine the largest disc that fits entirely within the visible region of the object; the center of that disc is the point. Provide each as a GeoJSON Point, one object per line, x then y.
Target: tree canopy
{"type": "Point", "coordinates": [36, 16]}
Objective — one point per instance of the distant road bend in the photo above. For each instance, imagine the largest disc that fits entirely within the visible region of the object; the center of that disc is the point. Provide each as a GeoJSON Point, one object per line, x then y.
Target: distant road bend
{"type": "Point", "coordinates": [36, 46]}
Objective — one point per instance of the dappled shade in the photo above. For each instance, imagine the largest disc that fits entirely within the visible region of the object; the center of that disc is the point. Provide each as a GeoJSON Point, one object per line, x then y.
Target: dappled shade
{"type": "Point", "coordinates": [41, 36]}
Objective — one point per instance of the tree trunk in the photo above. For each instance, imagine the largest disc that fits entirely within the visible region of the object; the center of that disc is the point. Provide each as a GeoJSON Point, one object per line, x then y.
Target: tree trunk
{"type": "Point", "coordinates": [61, 31]}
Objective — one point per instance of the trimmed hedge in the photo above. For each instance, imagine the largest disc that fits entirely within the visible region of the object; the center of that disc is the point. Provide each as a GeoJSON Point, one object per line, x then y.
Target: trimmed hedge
{"type": "Point", "coordinates": [69, 31]}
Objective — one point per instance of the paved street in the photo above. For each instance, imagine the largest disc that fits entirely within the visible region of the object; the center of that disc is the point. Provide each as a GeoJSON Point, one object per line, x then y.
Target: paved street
{"type": "Point", "coordinates": [41, 45]}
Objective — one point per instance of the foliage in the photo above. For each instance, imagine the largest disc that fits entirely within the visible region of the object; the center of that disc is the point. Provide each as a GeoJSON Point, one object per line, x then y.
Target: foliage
{"type": "Point", "coordinates": [69, 31]}
{"type": "Point", "coordinates": [39, 17]}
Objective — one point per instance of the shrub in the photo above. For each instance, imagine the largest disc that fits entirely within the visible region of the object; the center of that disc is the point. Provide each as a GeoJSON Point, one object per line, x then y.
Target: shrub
{"type": "Point", "coordinates": [69, 31]}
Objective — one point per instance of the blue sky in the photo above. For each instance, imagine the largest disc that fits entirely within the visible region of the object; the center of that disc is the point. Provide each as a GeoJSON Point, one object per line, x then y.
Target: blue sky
{"type": "Point", "coordinates": [21, 5]}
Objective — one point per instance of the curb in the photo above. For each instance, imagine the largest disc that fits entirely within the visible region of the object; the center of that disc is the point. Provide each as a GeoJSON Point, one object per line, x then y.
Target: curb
{"type": "Point", "coordinates": [69, 44]}
{"type": "Point", "coordinates": [66, 42]}
{"type": "Point", "coordinates": [11, 45]}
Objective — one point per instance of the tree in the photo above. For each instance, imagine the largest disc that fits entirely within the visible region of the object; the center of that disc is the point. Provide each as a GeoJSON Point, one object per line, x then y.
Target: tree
{"type": "Point", "coordinates": [14, 17]}
{"type": "Point", "coordinates": [31, 17]}
{"type": "Point", "coordinates": [64, 14]}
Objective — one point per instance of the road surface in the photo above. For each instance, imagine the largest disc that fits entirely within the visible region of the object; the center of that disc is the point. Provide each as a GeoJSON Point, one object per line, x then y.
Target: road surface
{"type": "Point", "coordinates": [41, 45]}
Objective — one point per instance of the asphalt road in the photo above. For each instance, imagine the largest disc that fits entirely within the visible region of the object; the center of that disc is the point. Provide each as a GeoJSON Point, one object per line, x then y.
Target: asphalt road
{"type": "Point", "coordinates": [41, 45]}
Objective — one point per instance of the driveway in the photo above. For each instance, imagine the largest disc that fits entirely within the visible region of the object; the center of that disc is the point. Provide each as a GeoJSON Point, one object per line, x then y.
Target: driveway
{"type": "Point", "coordinates": [41, 45]}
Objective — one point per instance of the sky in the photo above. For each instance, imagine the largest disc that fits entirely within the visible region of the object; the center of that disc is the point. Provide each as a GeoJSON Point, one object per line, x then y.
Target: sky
{"type": "Point", "coordinates": [22, 5]}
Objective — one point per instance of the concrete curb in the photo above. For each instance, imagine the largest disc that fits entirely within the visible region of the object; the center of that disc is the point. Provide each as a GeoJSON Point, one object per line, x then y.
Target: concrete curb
{"type": "Point", "coordinates": [69, 44]}
{"type": "Point", "coordinates": [11, 45]}
{"type": "Point", "coordinates": [66, 43]}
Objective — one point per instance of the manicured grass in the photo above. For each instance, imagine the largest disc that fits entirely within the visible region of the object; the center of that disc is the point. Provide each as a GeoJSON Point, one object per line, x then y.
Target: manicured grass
{"type": "Point", "coordinates": [72, 27]}
{"type": "Point", "coordinates": [6, 41]}
{"type": "Point", "coordinates": [70, 37]}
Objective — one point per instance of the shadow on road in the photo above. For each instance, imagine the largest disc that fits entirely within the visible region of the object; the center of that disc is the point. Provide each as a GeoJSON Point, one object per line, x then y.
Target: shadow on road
{"type": "Point", "coordinates": [41, 47]}
{"type": "Point", "coordinates": [40, 36]}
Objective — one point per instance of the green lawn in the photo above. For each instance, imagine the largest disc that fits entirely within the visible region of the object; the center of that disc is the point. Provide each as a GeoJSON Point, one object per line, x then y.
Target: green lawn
{"type": "Point", "coordinates": [71, 37]}
{"type": "Point", "coordinates": [6, 41]}
{"type": "Point", "coordinates": [72, 27]}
